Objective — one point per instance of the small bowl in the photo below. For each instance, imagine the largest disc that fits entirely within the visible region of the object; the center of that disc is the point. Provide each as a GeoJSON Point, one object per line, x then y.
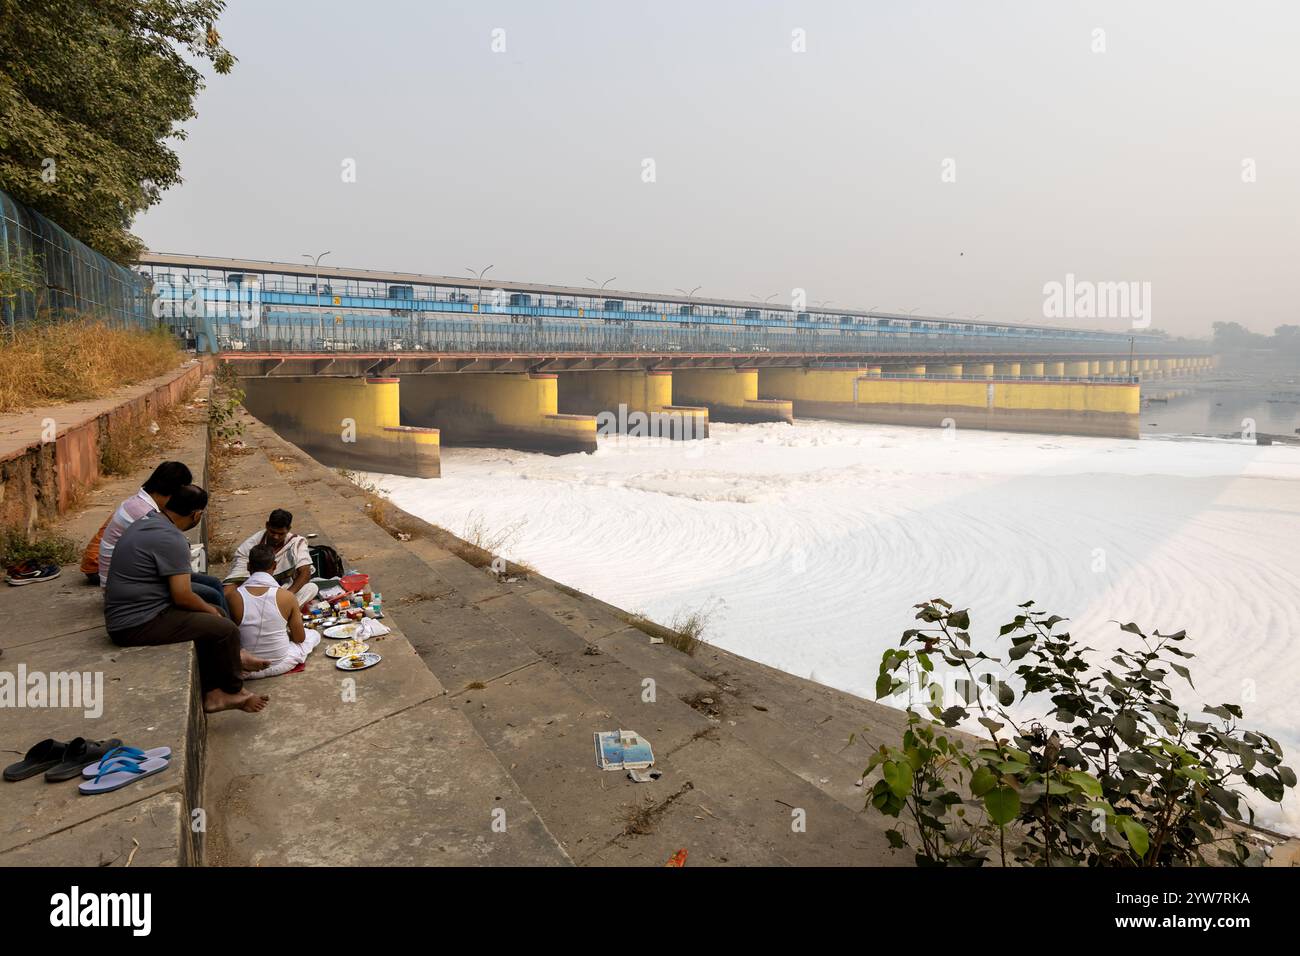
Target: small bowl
{"type": "Point", "coordinates": [354, 582]}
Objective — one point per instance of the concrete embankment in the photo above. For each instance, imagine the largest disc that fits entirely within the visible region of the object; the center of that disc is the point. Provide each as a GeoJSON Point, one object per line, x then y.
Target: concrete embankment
{"type": "Point", "coordinates": [51, 456]}
{"type": "Point", "coordinates": [757, 765]}
{"type": "Point", "coordinates": [145, 696]}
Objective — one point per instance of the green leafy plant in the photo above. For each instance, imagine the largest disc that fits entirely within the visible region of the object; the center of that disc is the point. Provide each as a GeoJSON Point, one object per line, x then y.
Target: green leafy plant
{"type": "Point", "coordinates": [224, 402]}
{"type": "Point", "coordinates": [92, 96]}
{"type": "Point", "coordinates": [41, 547]}
{"type": "Point", "coordinates": [1114, 773]}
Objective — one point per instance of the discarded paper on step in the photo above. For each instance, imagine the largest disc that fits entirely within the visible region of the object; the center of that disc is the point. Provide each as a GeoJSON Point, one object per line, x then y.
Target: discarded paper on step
{"type": "Point", "coordinates": [622, 750]}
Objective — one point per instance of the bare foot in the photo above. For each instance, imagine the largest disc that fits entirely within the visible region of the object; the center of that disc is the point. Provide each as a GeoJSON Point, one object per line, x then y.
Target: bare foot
{"type": "Point", "coordinates": [217, 700]}
{"type": "Point", "coordinates": [251, 662]}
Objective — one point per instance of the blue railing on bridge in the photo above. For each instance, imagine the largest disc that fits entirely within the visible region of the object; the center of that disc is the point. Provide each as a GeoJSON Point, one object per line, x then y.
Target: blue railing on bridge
{"type": "Point", "coordinates": [346, 298]}
{"type": "Point", "coordinates": [294, 332]}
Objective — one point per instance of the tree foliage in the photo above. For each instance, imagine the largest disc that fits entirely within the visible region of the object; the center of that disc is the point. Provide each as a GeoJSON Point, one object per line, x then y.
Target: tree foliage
{"type": "Point", "coordinates": [91, 94]}
{"type": "Point", "coordinates": [1233, 336]}
{"type": "Point", "coordinates": [1113, 774]}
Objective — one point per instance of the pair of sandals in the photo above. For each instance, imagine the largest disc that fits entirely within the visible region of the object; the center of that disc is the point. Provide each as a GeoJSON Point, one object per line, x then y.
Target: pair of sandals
{"type": "Point", "coordinates": [122, 766]}
{"type": "Point", "coordinates": [107, 763]}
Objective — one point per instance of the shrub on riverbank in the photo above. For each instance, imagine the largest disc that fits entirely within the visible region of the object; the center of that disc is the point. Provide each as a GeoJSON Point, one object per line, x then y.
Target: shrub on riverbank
{"type": "Point", "coordinates": [1114, 773]}
{"type": "Point", "coordinates": [51, 362]}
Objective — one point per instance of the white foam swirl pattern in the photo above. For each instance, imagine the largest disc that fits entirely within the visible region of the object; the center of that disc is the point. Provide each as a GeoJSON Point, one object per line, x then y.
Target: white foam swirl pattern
{"type": "Point", "coordinates": [812, 542]}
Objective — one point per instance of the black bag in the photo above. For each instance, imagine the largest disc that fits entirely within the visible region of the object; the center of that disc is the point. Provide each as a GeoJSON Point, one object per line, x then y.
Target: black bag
{"type": "Point", "coordinates": [326, 561]}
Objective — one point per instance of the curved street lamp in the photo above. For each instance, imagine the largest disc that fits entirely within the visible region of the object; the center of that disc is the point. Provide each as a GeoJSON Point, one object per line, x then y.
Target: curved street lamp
{"type": "Point", "coordinates": [478, 294]}
{"type": "Point", "coordinates": [315, 264]}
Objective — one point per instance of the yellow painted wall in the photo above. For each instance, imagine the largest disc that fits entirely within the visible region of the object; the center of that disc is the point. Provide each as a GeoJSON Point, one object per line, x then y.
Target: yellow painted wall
{"type": "Point", "coordinates": [322, 403]}
{"type": "Point", "coordinates": [808, 384]}
{"type": "Point", "coordinates": [1058, 396]}
{"type": "Point", "coordinates": [722, 386]}
{"type": "Point", "coordinates": [638, 390]}
{"type": "Point", "coordinates": [508, 399]}
{"type": "Point", "coordinates": [353, 421]}
{"type": "Point", "coordinates": [1068, 396]}
{"type": "Point", "coordinates": [496, 403]}
{"type": "Point", "coordinates": [650, 392]}
{"type": "Point", "coordinates": [922, 392]}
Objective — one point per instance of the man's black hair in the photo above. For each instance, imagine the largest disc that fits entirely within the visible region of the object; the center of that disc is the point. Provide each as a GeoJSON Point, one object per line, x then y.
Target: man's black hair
{"type": "Point", "coordinates": [187, 500]}
{"type": "Point", "coordinates": [168, 477]}
{"type": "Point", "coordinates": [261, 557]}
{"type": "Point", "coordinates": [280, 519]}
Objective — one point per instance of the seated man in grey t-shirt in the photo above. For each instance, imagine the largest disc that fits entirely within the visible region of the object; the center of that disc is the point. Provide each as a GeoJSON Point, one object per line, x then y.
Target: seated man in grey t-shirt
{"type": "Point", "coordinates": [149, 601]}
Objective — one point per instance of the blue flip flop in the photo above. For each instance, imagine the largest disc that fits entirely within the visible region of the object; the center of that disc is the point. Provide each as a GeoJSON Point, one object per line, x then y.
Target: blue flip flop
{"type": "Point", "coordinates": [132, 754]}
{"type": "Point", "coordinates": [116, 774]}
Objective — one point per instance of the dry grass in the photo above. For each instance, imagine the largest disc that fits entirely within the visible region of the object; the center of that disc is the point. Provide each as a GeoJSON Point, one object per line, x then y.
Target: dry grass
{"type": "Point", "coordinates": [688, 628]}
{"type": "Point", "coordinates": [141, 437]}
{"type": "Point", "coordinates": [686, 632]}
{"type": "Point", "coordinates": [478, 535]}
{"type": "Point", "coordinates": [50, 362]}
{"type": "Point", "coordinates": [378, 507]}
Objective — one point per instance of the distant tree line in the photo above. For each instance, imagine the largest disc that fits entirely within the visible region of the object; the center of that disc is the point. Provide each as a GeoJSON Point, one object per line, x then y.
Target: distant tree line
{"type": "Point", "coordinates": [91, 94]}
{"type": "Point", "coordinates": [1233, 336]}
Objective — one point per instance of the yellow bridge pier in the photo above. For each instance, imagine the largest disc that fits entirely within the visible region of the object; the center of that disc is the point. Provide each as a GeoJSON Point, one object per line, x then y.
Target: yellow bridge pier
{"type": "Point", "coordinates": [632, 403]}
{"type": "Point", "coordinates": [730, 395]}
{"type": "Point", "coordinates": [511, 410]}
{"type": "Point", "coordinates": [345, 422]}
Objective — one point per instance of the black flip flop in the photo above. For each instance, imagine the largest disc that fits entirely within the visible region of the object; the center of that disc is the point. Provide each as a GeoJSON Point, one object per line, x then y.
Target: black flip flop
{"type": "Point", "coordinates": [80, 753]}
{"type": "Point", "coordinates": [40, 758]}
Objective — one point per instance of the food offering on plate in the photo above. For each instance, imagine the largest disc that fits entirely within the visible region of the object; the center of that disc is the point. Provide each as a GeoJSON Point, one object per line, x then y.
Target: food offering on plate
{"type": "Point", "coordinates": [358, 662]}
{"type": "Point", "coordinates": [346, 649]}
{"type": "Point", "coordinates": [343, 630]}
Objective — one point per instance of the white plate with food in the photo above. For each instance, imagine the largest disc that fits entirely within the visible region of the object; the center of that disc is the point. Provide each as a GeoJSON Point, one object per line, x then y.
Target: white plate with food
{"type": "Point", "coordinates": [346, 649]}
{"type": "Point", "coordinates": [342, 631]}
{"type": "Point", "coordinates": [358, 662]}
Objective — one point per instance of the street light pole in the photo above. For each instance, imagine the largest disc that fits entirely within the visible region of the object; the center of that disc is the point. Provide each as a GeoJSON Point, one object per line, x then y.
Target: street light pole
{"type": "Point", "coordinates": [315, 264]}
{"type": "Point", "coordinates": [478, 294]}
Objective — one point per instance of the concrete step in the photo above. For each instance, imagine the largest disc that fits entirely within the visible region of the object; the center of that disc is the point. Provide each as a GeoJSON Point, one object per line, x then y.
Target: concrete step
{"type": "Point", "coordinates": [364, 769]}
{"type": "Point", "coordinates": [554, 669]}
{"type": "Point", "coordinates": [148, 697]}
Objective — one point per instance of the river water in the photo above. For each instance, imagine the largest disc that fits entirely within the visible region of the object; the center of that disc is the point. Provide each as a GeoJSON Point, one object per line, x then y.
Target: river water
{"type": "Point", "coordinates": [808, 544]}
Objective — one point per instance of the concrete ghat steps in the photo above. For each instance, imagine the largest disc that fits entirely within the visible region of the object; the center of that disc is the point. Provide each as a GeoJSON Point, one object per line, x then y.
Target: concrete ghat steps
{"type": "Point", "coordinates": [555, 666]}
{"type": "Point", "coordinates": [388, 775]}
{"type": "Point", "coordinates": [150, 698]}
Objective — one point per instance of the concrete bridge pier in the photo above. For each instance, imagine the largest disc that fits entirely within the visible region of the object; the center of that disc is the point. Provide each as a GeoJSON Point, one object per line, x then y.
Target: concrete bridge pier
{"type": "Point", "coordinates": [511, 410]}
{"type": "Point", "coordinates": [1007, 370]}
{"type": "Point", "coordinates": [730, 395]}
{"type": "Point", "coordinates": [631, 402]}
{"type": "Point", "coordinates": [345, 422]}
{"type": "Point", "coordinates": [815, 392]}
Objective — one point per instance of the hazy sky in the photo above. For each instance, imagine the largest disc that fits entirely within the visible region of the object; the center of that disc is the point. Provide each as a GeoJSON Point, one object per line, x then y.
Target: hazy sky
{"type": "Point", "coordinates": [774, 169]}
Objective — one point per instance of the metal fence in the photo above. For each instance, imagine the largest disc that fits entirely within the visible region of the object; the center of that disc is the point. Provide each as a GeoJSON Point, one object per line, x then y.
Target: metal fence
{"type": "Point", "coordinates": [360, 332]}
{"type": "Point", "coordinates": [48, 273]}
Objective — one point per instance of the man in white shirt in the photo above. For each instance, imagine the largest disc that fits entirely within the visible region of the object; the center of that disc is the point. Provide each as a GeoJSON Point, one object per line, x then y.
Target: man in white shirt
{"type": "Point", "coordinates": [293, 566]}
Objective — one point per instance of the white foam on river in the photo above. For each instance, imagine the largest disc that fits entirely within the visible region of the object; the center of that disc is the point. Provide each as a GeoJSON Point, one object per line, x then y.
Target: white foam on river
{"type": "Point", "coordinates": [810, 543]}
